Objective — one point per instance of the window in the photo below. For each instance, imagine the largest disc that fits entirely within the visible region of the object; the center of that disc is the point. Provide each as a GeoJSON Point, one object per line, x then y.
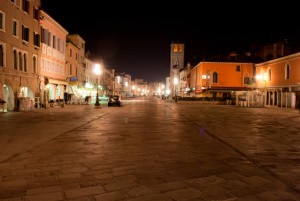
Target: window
{"type": "Point", "coordinates": [58, 44]}
{"type": "Point", "coordinates": [63, 47]}
{"type": "Point", "coordinates": [269, 74]}
{"type": "Point", "coordinates": [1, 55]}
{"type": "Point", "coordinates": [35, 13]}
{"type": "Point", "coordinates": [36, 39]}
{"type": "Point", "coordinates": [215, 77]}
{"type": "Point", "coordinates": [15, 28]}
{"type": "Point", "coordinates": [2, 20]}
{"type": "Point", "coordinates": [44, 33]}
{"type": "Point", "coordinates": [70, 69]}
{"type": "Point", "coordinates": [34, 63]}
{"type": "Point", "coordinates": [49, 38]}
{"type": "Point", "coordinates": [25, 62]}
{"type": "Point", "coordinates": [25, 5]}
{"type": "Point", "coordinates": [175, 48]}
{"type": "Point", "coordinates": [180, 48]}
{"type": "Point", "coordinates": [20, 62]}
{"type": "Point", "coordinates": [25, 33]}
{"type": "Point", "coordinates": [15, 60]}
{"type": "Point", "coordinates": [238, 68]}
{"type": "Point", "coordinates": [247, 80]}
{"type": "Point", "coordinates": [70, 52]}
{"type": "Point", "coordinates": [54, 42]}
{"type": "Point", "coordinates": [287, 71]}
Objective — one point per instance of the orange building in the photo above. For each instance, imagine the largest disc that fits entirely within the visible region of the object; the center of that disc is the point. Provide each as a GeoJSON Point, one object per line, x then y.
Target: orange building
{"type": "Point", "coordinates": [279, 81]}
{"type": "Point", "coordinates": [221, 80]}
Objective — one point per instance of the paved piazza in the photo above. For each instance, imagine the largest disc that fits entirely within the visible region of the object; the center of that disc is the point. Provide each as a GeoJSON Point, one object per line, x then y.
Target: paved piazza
{"type": "Point", "coordinates": [150, 150]}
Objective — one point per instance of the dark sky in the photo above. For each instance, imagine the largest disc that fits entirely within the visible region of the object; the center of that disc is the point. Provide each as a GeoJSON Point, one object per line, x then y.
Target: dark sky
{"type": "Point", "coordinates": [136, 38]}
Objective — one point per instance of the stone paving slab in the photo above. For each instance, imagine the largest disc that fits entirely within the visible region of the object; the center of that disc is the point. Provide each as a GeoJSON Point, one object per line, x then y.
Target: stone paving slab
{"type": "Point", "coordinates": [156, 150]}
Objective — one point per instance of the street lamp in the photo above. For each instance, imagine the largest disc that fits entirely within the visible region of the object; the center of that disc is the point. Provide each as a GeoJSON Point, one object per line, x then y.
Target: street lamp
{"type": "Point", "coordinates": [175, 85]}
{"type": "Point", "coordinates": [97, 71]}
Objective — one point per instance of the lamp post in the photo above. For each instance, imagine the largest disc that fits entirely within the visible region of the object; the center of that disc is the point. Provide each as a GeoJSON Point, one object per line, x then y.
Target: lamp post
{"type": "Point", "coordinates": [175, 90]}
{"type": "Point", "coordinates": [97, 71]}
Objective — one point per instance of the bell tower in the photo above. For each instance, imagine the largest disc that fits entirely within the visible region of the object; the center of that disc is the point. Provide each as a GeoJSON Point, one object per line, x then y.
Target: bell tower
{"type": "Point", "coordinates": [176, 64]}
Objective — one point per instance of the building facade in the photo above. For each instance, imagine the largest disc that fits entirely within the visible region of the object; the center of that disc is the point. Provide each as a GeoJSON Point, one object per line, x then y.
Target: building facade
{"type": "Point", "coordinates": [72, 52]}
{"type": "Point", "coordinates": [222, 80]}
{"type": "Point", "coordinates": [279, 81]}
{"type": "Point", "coordinates": [19, 49]}
{"type": "Point", "coordinates": [53, 74]}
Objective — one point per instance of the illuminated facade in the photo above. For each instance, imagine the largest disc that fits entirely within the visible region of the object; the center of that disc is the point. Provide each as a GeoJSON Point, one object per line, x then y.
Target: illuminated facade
{"type": "Point", "coordinates": [279, 81]}
{"type": "Point", "coordinates": [53, 73]}
{"type": "Point", "coordinates": [19, 49]}
{"type": "Point", "coordinates": [221, 79]}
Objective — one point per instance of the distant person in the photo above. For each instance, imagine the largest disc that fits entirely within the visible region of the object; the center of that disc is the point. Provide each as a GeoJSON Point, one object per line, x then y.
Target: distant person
{"type": "Point", "coordinates": [87, 99]}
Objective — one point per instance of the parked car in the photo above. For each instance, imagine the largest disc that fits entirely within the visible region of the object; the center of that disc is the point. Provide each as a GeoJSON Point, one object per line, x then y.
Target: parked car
{"type": "Point", "coordinates": [114, 100]}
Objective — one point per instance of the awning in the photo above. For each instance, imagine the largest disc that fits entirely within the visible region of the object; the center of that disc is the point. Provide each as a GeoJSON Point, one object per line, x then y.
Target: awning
{"type": "Point", "coordinates": [52, 81]}
{"type": "Point", "coordinates": [227, 89]}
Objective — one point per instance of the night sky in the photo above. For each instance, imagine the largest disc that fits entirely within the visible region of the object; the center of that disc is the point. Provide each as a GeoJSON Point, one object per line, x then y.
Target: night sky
{"type": "Point", "coordinates": [135, 38]}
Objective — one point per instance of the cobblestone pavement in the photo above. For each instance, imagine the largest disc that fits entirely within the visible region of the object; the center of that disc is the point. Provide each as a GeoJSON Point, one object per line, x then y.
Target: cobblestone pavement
{"type": "Point", "coordinates": [151, 150]}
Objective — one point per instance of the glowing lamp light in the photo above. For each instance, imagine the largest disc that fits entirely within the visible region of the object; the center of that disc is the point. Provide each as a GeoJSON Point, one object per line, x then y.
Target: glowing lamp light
{"type": "Point", "coordinates": [97, 71]}
{"type": "Point", "coordinates": [168, 91]}
{"type": "Point", "coordinates": [175, 80]}
{"type": "Point", "coordinates": [262, 77]}
{"type": "Point", "coordinates": [259, 77]}
{"type": "Point", "coordinates": [88, 85]}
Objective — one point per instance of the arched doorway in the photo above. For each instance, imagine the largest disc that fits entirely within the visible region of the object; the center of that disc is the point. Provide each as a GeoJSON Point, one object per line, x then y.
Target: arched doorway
{"type": "Point", "coordinates": [26, 92]}
{"type": "Point", "coordinates": [26, 98]}
{"type": "Point", "coordinates": [9, 97]}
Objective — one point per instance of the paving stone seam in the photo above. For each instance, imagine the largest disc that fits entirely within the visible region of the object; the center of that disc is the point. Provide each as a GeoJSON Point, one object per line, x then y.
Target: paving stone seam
{"type": "Point", "coordinates": [254, 162]}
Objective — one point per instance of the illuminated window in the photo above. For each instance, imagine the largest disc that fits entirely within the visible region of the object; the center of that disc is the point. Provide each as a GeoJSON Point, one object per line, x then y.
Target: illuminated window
{"type": "Point", "coordinates": [175, 48]}
{"type": "Point", "coordinates": [179, 48]}
{"type": "Point", "coordinates": [269, 74]}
